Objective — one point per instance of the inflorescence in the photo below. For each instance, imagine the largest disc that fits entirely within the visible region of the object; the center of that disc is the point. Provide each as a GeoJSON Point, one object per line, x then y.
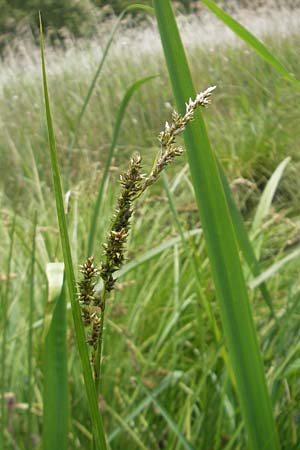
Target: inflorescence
{"type": "Point", "coordinates": [133, 184]}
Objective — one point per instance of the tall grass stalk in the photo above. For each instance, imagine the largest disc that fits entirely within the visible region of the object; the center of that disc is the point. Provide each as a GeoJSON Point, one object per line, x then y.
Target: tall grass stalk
{"type": "Point", "coordinates": [221, 244]}
{"type": "Point", "coordinates": [98, 429]}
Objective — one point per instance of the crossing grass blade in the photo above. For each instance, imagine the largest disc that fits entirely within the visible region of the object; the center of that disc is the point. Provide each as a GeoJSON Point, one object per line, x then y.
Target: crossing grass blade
{"type": "Point", "coordinates": [137, 411]}
{"type": "Point", "coordinates": [251, 40]}
{"type": "Point", "coordinates": [55, 392]}
{"type": "Point", "coordinates": [222, 249]}
{"type": "Point", "coordinates": [172, 425]}
{"type": "Point", "coordinates": [273, 269]}
{"type": "Point", "coordinates": [119, 119]}
{"type": "Point", "coordinates": [98, 429]}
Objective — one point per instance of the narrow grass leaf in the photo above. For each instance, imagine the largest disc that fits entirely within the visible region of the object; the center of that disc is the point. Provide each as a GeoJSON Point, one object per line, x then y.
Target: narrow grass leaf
{"type": "Point", "coordinates": [155, 251]}
{"type": "Point", "coordinates": [166, 382]}
{"type": "Point", "coordinates": [4, 321]}
{"type": "Point", "coordinates": [146, 8]}
{"type": "Point", "coordinates": [267, 196]}
{"type": "Point", "coordinates": [263, 209]}
{"type": "Point", "coordinates": [189, 250]}
{"type": "Point", "coordinates": [130, 431]}
{"type": "Point", "coordinates": [119, 119]}
{"type": "Point", "coordinates": [272, 270]}
{"type": "Point", "coordinates": [70, 276]}
{"type": "Point", "coordinates": [55, 389]}
{"type": "Point", "coordinates": [244, 241]}
{"type": "Point", "coordinates": [172, 425]}
{"type": "Point", "coordinates": [222, 249]}
{"type": "Point", "coordinates": [250, 40]}
{"type": "Point", "coordinates": [30, 331]}
{"type": "Point", "coordinates": [100, 67]}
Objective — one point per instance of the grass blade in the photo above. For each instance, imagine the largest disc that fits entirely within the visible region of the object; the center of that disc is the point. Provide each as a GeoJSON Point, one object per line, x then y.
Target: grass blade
{"type": "Point", "coordinates": [183, 441]}
{"type": "Point", "coordinates": [120, 115]}
{"type": "Point", "coordinates": [4, 306]}
{"type": "Point", "coordinates": [55, 396]}
{"type": "Point", "coordinates": [222, 249]}
{"type": "Point", "coordinates": [100, 67]}
{"type": "Point", "coordinates": [70, 276]}
{"type": "Point", "coordinates": [244, 241]}
{"type": "Point", "coordinates": [149, 254]}
{"type": "Point", "coordinates": [189, 250]}
{"type": "Point", "coordinates": [165, 383]}
{"type": "Point", "coordinates": [251, 40]}
{"type": "Point", "coordinates": [268, 195]}
{"type": "Point", "coordinates": [30, 331]}
{"type": "Point", "coordinates": [272, 270]}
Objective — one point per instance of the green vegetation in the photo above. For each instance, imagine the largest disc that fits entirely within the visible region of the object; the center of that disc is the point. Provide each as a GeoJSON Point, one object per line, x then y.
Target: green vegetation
{"type": "Point", "coordinates": [165, 378]}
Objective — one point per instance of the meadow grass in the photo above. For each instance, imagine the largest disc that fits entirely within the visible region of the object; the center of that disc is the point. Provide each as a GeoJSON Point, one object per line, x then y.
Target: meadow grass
{"type": "Point", "coordinates": [163, 372]}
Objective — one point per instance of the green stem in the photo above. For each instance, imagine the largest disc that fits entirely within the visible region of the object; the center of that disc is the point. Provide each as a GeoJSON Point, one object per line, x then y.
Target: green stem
{"type": "Point", "coordinates": [98, 355]}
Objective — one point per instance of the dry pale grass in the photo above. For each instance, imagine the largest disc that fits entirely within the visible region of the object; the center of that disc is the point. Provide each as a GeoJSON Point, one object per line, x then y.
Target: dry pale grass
{"type": "Point", "coordinates": [22, 59]}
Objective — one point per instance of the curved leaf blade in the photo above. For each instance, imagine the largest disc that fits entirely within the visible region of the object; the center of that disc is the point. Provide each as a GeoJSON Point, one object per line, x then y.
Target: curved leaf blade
{"type": "Point", "coordinates": [120, 116]}
{"type": "Point", "coordinates": [251, 40]}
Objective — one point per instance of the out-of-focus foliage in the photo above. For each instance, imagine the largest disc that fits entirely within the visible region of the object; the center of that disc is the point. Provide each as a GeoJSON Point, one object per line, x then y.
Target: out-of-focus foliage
{"type": "Point", "coordinates": [79, 18]}
{"type": "Point", "coordinates": [60, 17]}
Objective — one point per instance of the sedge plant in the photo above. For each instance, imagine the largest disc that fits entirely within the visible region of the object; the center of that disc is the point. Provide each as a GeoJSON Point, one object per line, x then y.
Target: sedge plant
{"type": "Point", "coordinates": [133, 184]}
{"type": "Point", "coordinates": [220, 226]}
{"type": "Point", "coordinates": [90, 309]}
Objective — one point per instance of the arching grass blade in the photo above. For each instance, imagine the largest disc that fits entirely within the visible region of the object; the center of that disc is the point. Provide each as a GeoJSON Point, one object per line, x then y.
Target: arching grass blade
{"type": "Point", "coordinates": [120, 115]}
{"type": "Point", "coordinates": [250, 40]}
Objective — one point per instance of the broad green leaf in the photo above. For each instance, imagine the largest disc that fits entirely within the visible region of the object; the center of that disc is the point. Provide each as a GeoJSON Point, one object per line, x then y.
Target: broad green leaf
{"type": "Point", "coordinates": [98, 429]}
{"type": "Point", "coordinates": [55, 388]}
{"type": "Point", "coordinates": [251, 40]}
{"type": "Point", "coordinates": [222, 249]}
